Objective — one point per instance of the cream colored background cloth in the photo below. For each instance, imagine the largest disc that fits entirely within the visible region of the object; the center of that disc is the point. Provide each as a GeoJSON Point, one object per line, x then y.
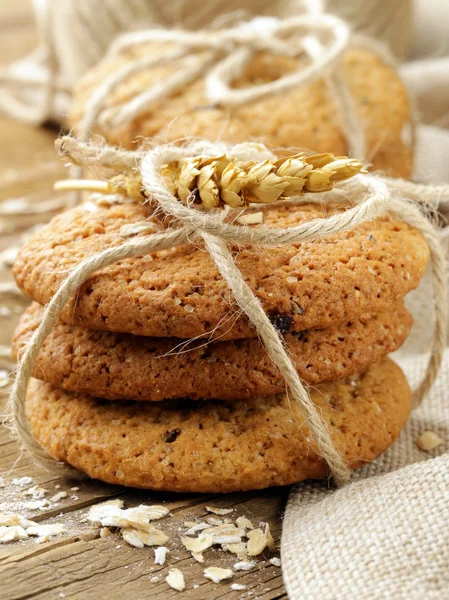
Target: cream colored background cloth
{"type": "Point", "coordinates": [386, 536]}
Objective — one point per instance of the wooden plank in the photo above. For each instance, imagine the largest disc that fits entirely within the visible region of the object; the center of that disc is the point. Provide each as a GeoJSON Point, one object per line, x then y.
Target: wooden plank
{"type": "Point", "coordinates": [86, 563]}
{"type": "Point", "coordinates": [80, 564]}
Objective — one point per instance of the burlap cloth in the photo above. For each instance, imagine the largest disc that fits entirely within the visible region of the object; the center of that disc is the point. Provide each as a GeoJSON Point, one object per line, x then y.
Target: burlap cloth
{"type": "Point", "coordinates": [386, 536]}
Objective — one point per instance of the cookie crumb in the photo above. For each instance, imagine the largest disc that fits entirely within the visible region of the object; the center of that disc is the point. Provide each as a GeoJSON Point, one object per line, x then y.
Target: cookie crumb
{"type": "Point", "coordinates": [275, 561]}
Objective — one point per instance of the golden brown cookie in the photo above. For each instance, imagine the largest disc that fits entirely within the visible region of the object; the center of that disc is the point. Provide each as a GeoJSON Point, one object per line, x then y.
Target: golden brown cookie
{"type": "Point", "coordinates": [304, 118]}
{"type": "Point", "coordinates": [179, 292]}
{"type": "Point", "coordinates": [122, 366]}
{"type": "Point", "coordinates": [218, 446]}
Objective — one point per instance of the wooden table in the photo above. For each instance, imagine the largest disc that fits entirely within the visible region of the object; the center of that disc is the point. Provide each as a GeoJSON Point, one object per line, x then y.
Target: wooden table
{"type": "Point", "coordinates": [81, 564]}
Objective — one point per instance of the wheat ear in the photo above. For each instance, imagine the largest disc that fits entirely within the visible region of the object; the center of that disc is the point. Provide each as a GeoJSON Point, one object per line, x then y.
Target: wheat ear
{"type": "Point", "coordinates": [219, 181]}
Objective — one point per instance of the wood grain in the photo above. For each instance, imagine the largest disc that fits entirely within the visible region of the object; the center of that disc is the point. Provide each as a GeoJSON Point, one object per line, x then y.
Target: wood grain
{"type": "Point", "coordinates": [80, 564]}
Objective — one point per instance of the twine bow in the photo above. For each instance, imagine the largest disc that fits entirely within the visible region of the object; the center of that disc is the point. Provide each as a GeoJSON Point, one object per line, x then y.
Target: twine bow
{"type": "Point", "coordinates": [221, 56]}
{"type": "Point", "coordinates": [372, 197]}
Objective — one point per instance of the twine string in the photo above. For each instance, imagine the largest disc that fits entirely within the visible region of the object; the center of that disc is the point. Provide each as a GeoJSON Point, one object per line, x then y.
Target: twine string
{"type": "Point", "coordinates": [275, 347]}
{"type": "Point", "coordinates": [220, 56]}
{"type": "Point", "coordinates": [373, 197]}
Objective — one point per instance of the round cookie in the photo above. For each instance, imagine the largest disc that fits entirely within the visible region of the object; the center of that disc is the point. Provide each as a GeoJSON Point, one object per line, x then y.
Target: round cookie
{"type": "Point", "coordinates": [306, 117]}
{"type": "Point", "coordinates": [179, 292]}
{"type": "Point", "coordinates": [218, 446]}
{"type": "Point", "coordinates": [122, 366]}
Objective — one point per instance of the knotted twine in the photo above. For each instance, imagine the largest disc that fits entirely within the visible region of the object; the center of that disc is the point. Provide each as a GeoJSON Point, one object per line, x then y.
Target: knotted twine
{"type": "Point", "coordinates": [220, 57]}
{"type": "Point", "coordinates": [372, 196]}
{"type": "Point", "coordinates": [75, 34]}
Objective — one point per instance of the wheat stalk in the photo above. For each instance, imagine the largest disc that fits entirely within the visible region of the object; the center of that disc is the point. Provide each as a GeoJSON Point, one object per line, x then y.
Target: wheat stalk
{"type": "Point", "coordinates": [219, 181]}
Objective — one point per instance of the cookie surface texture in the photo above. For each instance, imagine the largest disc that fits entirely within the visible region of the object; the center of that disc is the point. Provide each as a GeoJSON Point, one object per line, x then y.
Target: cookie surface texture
{"type": "Point", "coordinates": [179, 292]}
{"type": "Point", "coordinates": [218, 446]}
{"type": "Point", "coordinates": [308, 117]}
{"type": "Point", "coordinates": [122, 366]}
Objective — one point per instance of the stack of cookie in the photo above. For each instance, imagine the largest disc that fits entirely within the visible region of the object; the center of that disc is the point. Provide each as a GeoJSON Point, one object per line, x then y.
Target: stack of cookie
{"type": "Point", "coordinates": [153, 379]}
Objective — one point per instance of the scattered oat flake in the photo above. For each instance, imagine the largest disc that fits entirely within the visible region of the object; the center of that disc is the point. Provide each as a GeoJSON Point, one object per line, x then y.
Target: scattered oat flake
{"type": "Point", "coordinates": [244, 523]}
{"type": "Point", "coordinates": [46, 530]}
{"type": "Point", "coordinates": [14, 519]}
{"type": "Point", "coordinates": [190, 524]}
{"type": "Point", "coordinates": [160, 555]}
{"type": "Point", "coordinates": [257, 542]}
{"type": "Point", "coordinates": [219, 511]}
{"type": "Point", "coordinates": [11, 534]}
{"type": "Point", "coordinates": [270, 541]}
{"type": "Point", "coordinates": [59, 496]}
{"type": "Point", "coordinates": [226, 539]}
{"type": "Point", "coordinates": [244, 565]}
{"type": "Point", "coordinates": [199, 544]}
{"type": "Point", "coordinates": [217, 574]}
{"type": "Point", "coordinates": [139, 538]}
{"type": "Point", "coordinates": [113, 515]}
{"type": "Point", "coordinates": [175, 580]}
{"type": "Point", "coordinates": [37, 504]}
{"type": "Point", "coordinates": [36, 492]}
{"type": "Point", "coordinates": [251, 218]}
{"type": "Point", "coordinates": [132, 538]}
{"type": "Point", "coordinates": [22, 481]}
{"type": "Point", "coordinates": [226, 529]}
{"type": "Point", "coordinates": [428, 441]}
{"type": "Point", "coordinates": [239, 549]}
{"type": "Point", "coordinates": [5, 311]}
{"type": "Point", "coordinates": [105, 532]}
{"type": "Point", "coordinates": [198, 557]}
{"type": "Point", "coordinates": [75, 489]}
{"type": "Point", "coordinates": [154, 579]}
{"type": "Point", "coordinates": [275, 561]}
{"type": "Point", "coordinates": [238, 587]}
{"type": "Point", "coordinates": [136, 228]}
{"type": "Point", "coordinates": [196, 527]}
{"type": "Point", "coordinates": [214, 521]}
{"type": "Point", "coordinates": [8, 256]}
